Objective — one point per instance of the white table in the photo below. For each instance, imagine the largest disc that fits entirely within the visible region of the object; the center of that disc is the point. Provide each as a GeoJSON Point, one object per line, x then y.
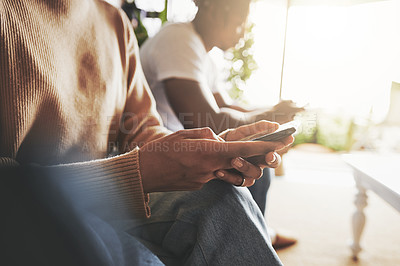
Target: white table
{"type": "Point", "coordinates": [379, 173]}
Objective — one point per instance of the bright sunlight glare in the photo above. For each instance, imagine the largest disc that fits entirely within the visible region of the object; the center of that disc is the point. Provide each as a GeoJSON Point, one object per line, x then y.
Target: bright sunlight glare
{"type": "Point", "coordinates": [338, 58]}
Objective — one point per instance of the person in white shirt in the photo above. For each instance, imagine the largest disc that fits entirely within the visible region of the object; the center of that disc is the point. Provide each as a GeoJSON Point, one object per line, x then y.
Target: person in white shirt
{"type": "Point", "coordinates": [184, 79]}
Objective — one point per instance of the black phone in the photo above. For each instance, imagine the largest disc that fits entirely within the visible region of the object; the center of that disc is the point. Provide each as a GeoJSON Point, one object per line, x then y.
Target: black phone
{"type": "Point", "coordinates": [284, 131]}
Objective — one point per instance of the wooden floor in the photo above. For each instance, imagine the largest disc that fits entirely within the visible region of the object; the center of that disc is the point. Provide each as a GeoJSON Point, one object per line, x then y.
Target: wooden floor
{"type": "Point", "coordinates": [314, 202]}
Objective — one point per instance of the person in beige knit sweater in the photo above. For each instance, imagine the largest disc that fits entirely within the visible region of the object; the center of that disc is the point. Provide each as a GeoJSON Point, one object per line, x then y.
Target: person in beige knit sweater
{"type": "Point", "coordinates": [73, 98]}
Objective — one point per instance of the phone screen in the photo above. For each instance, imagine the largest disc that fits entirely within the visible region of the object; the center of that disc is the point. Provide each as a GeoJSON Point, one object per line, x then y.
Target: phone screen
{"type": "Point", "coordinates": [277, 135]}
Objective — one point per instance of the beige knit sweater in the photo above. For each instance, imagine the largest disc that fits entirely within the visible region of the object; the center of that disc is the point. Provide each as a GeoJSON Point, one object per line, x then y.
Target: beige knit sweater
{"type": "Point", "coordinates": [71, 89]}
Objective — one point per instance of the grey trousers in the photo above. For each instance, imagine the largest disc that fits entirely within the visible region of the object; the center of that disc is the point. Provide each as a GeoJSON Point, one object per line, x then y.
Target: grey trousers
{"type": "Point", "coordinates": [260, 189]}
{"type": "Point", "coordinates": [217, 225]}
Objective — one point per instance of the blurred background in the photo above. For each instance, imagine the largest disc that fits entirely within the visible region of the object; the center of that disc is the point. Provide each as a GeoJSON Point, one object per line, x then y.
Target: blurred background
{"type": "Point", "coordinates": [341, 60]}
{"type": "Point", "coordinates": [338, 58]}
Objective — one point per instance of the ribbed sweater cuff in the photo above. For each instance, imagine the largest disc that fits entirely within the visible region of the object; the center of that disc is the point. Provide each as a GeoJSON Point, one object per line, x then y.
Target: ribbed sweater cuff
{"type": "Point", "coordinates": [7, 162]}
{"type": "Point", "coordinates": [111, 186]}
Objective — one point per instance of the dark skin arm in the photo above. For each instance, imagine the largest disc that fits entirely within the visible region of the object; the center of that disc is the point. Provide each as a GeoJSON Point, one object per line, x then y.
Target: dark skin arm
{"type": "Point", "coordinates": [282, 112]}
{"type": "Point", "coordinates": [195, 106]}
{"type": "Point", "coordinates": [223, 102]}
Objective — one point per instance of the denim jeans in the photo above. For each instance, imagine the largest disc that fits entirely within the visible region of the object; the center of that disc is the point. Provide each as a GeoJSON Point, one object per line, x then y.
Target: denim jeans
{"type": "Point", "coordinates": [260, 188]}
{"type": "Point", "coordinates": [217, 225]}
{"type": "Point", "coordinates": [41, 225]}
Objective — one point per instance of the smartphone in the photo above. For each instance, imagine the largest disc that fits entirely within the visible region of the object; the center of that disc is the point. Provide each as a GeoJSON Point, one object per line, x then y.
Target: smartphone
{"type": "Point", "coordinates": [284, 131]}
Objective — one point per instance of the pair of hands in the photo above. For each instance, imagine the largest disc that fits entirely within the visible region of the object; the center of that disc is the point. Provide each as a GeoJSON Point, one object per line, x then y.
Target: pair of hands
{"type": "Point", "coordinates": [285, 111]}
{"type": "Point", "coordinates": [187, 159]}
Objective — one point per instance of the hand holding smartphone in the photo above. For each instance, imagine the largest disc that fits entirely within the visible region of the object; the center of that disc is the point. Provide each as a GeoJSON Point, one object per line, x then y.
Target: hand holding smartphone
{"type": "Point", "coordinates": [284, 131]}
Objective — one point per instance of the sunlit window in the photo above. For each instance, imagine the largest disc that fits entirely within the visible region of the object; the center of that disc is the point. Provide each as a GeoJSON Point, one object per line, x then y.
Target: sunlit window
{"type": "Point", "coordinates": [340, 58]}
{"type": "Point", "coordinates": [181, 10]}
{"type": "Point", "coordinates": [269, 18]}
{"type": "Point", "coordinates": [178, 11]}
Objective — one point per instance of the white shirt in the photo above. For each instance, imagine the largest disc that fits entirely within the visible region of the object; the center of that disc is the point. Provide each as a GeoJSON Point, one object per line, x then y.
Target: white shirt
{"type": "Point", "coordinates": [176, 51]}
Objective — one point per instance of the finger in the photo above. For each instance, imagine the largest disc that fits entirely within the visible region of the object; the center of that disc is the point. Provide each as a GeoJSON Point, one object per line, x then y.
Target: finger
{"type": "Point", "coordinates": [231, 177]}
{"type": "Point", "coordinates": [297, 109]}
{"type": "Point", "coordinates": [257, 160]}
{"type": "Point", "coordinates": [287, 141]}
{"type": "Point", "coordinates": [198, 133]}
{"type": "Point", "coordinates": [284, 150]}
{"type": "Point", "coordinates": [246, 149]}
{"type": "Point", "coordinates": [246, 169]}
{"type": "Point", "coordinates": [284, 103]}
{"type": "Point", "coordinates": [261, 160]}
{"type": "Point", "coordinates": [247, 182]}
{"type": "Point", "coordinates": [234, 177]}
{"type": "Point", "coordinates": [224, 134]}
{"type": "Point", "coordinates": [220, 138]}
{"type": "Point", "coordinates": [273, 160]}
{"type": "Point", "coordinates": [252, 131]}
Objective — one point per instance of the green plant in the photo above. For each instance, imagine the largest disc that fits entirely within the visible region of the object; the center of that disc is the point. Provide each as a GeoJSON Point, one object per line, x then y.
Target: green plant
{"type": "Point", "coordinates": [333, 131]}
{"type": "Point", "coordinates": [136, 15]}
{"type": "Point", "coordinates": [242, 64]}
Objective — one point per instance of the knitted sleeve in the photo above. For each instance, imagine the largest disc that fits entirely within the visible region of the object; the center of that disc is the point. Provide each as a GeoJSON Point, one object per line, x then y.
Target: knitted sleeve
{"type": "Point", "coordinates": [7, 162]}
{"type": "Point", "coordinates": [111, 187]}
{"type": "Point", "coordinates": [116, 181]}
{"type": "Point", "coordinates": [141, 121]}
{"type": "Point", "coordinates": [112, 183]}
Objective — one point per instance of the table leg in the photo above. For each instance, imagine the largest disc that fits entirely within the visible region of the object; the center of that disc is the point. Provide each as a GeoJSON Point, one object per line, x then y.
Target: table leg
{"type": "Point", "coordinates": [358, 219]}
